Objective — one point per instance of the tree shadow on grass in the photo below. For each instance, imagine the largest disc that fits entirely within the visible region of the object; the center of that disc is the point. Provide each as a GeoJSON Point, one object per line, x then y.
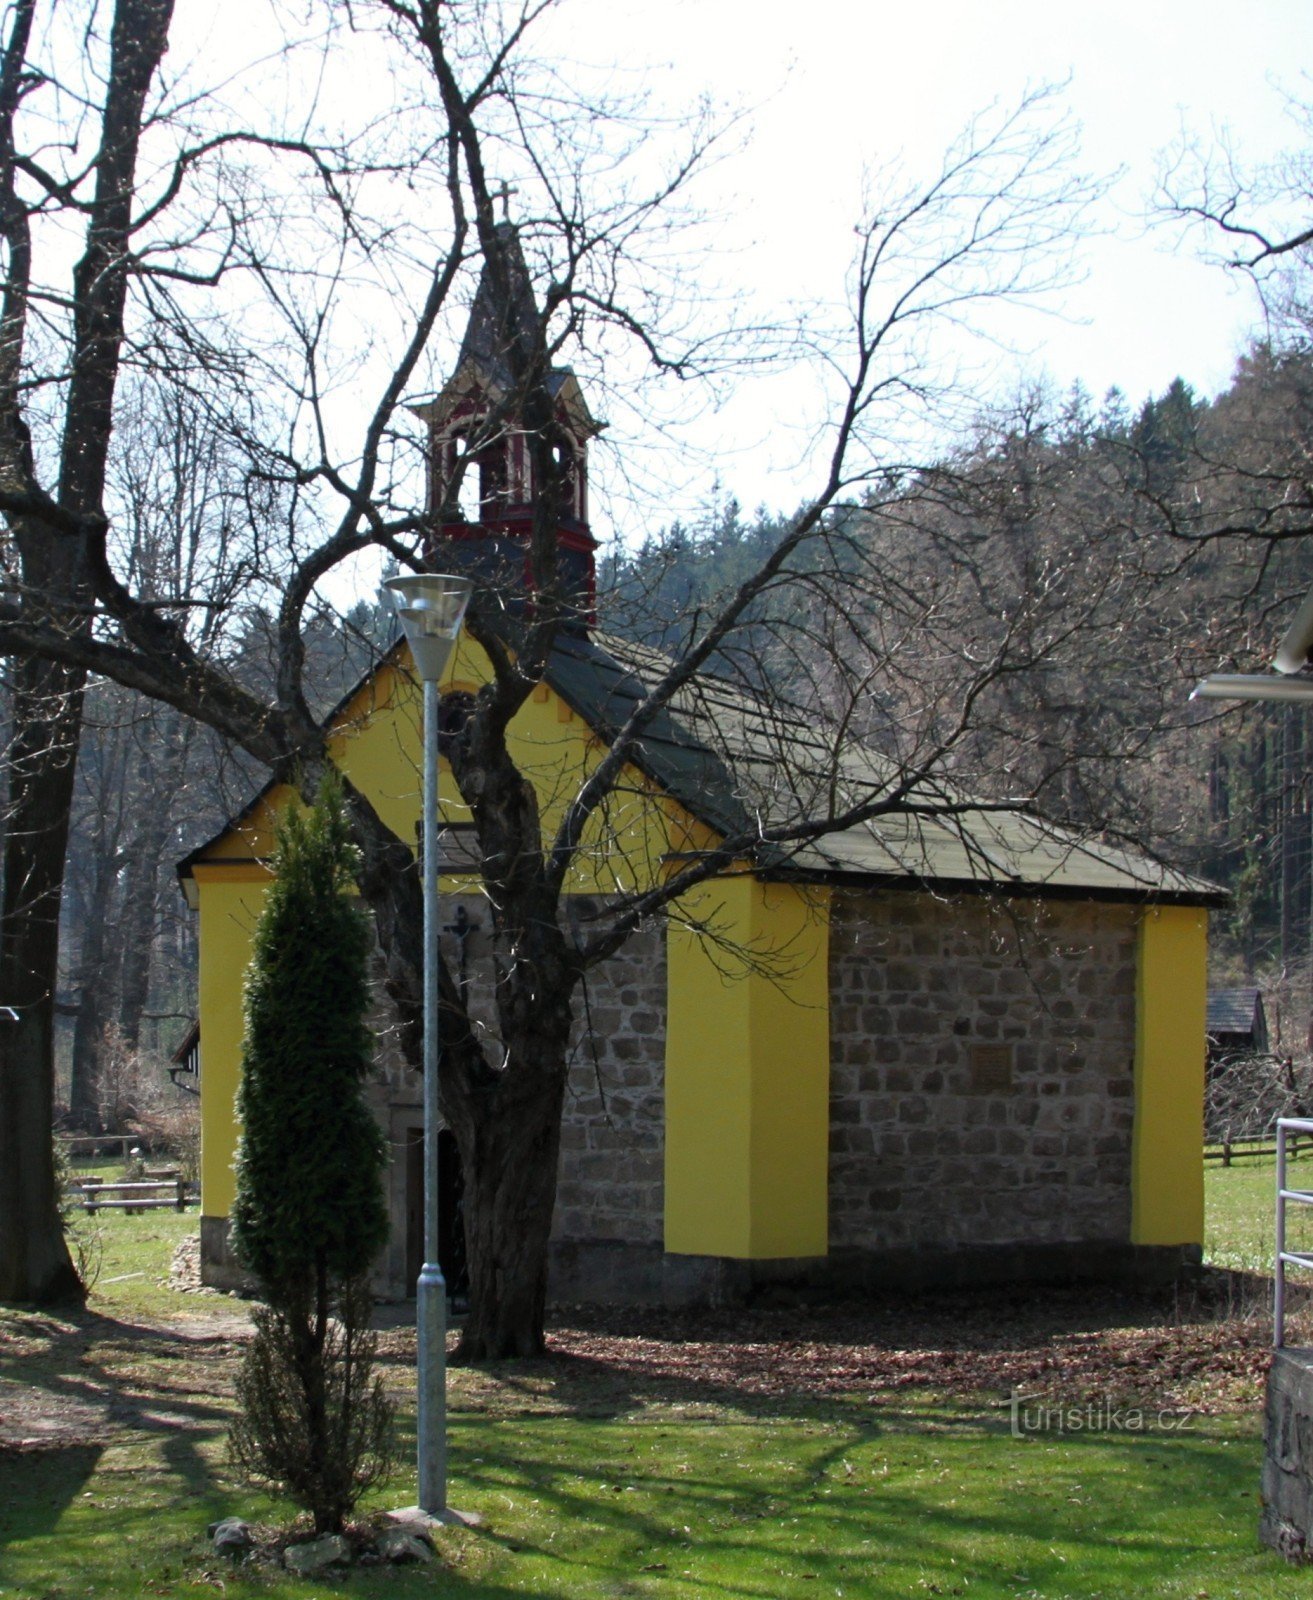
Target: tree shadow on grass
{"type": "Point", "coordinates": [91, 1380]}
{"type": "Point", "coordinates": [938, 1369]}
{"type": "Point", "coordinates": [741, 1427]}
{"type": "Point", "coordinates": [39, 1480]}
{"type": "Point", "coordinates": [734, 1499]}
{"type": "Point", "coordinates": [605, 1362]}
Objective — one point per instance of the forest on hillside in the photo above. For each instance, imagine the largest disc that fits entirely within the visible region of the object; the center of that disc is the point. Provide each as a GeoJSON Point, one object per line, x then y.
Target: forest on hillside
{"type": "Point", "coordinates": [1136, 549]}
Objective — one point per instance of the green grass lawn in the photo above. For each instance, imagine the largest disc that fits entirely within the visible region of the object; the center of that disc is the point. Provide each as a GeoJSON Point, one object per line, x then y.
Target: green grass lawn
{"type": "Point", "coordinates": [881, 1499]}
{"type": "Point", "coordinates": [1240, 1213]}
{"type": "Point", "coordinates": [128, 1255]}
{"type": "Point", "coordinates": [595, 1485]}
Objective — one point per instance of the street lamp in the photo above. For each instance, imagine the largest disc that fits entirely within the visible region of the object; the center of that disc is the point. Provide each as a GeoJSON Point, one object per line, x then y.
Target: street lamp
{"type": "Point", "coordinates": [1293, 655]}
{"type": "Point", "coordinates": [1253, 686]}
{"type": "Point", "coordinates": [431, 606]}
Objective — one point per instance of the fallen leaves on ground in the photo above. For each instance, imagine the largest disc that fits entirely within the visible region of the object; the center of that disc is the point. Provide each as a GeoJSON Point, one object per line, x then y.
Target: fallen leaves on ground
{"type": "Point", "coordinates": [84, 1376]}
{"type": "Point", "coordinates": [1204, 1352]}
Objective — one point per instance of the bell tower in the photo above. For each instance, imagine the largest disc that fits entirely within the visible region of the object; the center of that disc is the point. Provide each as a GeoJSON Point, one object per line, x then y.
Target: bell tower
{"type": "Point", "coordinates": [482, 484]}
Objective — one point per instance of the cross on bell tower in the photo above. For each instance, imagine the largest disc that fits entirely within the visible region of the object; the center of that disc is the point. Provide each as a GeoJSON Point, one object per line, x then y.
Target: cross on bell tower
{"type": "Point", "coordinates": [503, 192]}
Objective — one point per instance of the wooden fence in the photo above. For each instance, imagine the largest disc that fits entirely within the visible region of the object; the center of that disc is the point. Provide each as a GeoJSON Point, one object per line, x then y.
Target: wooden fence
{"type": "Point", "coordinates": [1230, 1150]}
{"type": "Point", "coordinates": [102, 1144]}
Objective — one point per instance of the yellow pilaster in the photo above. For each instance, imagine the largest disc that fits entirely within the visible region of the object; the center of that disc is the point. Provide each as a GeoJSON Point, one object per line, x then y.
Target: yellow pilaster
{"type": "Point", "coordinates": [1167, 1175]}
{"type": "Point", "coordinates": [230, 900]}
{"type": "Point", "coordinates": [748, 1073]}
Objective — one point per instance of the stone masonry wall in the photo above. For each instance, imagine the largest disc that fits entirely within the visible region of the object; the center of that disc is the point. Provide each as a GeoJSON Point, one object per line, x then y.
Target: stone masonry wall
{"type": "Point", "coordinates": [981, 1072]}
{"type": "Point", "coordinates": [613, 1134]}
{"type": "Point", "coordinates": [610, 1185]}
{"type": "Point", "coordinates": [1287, 1517]}
{"type": "Point", "coordinates": [981, 1080]}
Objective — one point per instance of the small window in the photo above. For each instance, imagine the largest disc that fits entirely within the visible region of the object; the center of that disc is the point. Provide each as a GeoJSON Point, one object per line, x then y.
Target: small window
{"type": "Point", "coordinates": [466, 501]}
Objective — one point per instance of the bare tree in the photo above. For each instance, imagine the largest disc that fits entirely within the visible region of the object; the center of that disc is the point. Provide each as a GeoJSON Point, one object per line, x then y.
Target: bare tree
{"type": "Point", "coordinates": [1240, 508]}
{"type": "Point", "coordinates": [176, 493]}
{"type": "Point", "coordinates": [96, 858]}
{"type": "Point", "coordinates": [49, 495]}
{"type": "Point", "coordinates": [1252, 220]}
{"type": "Point", "coordinates": [985, 228]}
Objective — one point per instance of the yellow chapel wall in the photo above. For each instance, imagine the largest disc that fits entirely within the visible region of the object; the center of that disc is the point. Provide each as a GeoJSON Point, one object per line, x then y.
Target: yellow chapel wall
{"type": "Point", "coordinates": [747, 1082]}
{"type": "Point", "coordinates": [230, 898]}
{"type": "Point", "coordinates": [1167, 1144]}
{"type": "Point", "coordinates": [378, 745]}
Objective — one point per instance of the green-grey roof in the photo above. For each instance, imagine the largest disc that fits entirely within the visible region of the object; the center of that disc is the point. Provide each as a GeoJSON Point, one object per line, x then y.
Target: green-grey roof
{"type": "Point", "coordinates": [742, 765]}
{"type": "Point", "coordinates": [1235, 1011]}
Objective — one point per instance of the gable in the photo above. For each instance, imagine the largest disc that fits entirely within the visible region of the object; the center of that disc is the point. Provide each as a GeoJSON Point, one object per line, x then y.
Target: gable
{"type": "Point", "coordinates": [376, 740]}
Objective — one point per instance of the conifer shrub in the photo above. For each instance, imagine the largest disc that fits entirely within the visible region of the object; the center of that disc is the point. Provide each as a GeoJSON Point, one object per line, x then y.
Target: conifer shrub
{"type": "Point", "coordinates": [309, 1215]}
{"type": "Point", "coordinates": [313, 1418]}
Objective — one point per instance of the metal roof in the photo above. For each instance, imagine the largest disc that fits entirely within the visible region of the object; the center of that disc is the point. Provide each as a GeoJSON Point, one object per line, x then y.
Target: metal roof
{"type": "Point", "coordinates": [746, 764]}
{"type": "Point", "coordinates": [498, 325]}
{"type": "Point", "coordinates": [495, 330]}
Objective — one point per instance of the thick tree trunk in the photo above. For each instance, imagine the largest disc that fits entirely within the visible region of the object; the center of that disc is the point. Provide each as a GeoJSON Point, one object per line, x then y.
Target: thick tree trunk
{"type": "Point", "coordinates": [508, 1128]}
{"type": "Point", "coordinates": [34, 1261]}
{"type": "Point", "coordinates": [507, 1122]}
{"type": "Point", "coordinates": [510, 1162]}
{"type": "Point", "coordinates": [35, 1266]}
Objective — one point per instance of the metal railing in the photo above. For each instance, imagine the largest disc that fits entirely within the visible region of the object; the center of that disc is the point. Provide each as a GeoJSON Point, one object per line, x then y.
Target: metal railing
{"type": "Point", "coordinates": [1293, 1128]}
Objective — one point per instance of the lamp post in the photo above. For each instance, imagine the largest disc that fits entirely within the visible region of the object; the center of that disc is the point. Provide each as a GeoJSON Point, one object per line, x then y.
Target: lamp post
{"type": "Point", "coordinates": [431, 607]}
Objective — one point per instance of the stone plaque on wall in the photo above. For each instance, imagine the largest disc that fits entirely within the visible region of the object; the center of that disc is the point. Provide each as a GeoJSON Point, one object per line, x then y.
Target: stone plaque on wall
{"type": "Point", "coordinates": [991, 1068]}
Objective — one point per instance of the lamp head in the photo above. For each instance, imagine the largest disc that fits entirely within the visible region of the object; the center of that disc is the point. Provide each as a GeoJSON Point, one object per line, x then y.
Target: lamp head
{"type": "Point", "coordinates": [1254, 686]}
{"type": "Point", "coordinates": [431, 606]}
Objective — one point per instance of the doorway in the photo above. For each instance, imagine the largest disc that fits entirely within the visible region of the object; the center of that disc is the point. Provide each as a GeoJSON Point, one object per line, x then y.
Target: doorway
{"type": "Point", "coordinates": [451, 1213]}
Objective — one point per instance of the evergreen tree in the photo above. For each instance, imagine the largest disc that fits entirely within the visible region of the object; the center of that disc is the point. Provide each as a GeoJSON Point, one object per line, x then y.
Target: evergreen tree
{"type": "Point", "coordinates": [310, 1165]}
{"type": "Point", "coordinates": [1114, 415]}
{"type": "Point", "coordinates": [1164, 435]}
{"type": "Point", "coordinates": [309, 1215]}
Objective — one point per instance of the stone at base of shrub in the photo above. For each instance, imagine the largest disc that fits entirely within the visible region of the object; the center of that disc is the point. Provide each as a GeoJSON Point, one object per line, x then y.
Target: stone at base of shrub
{"type": "Point", "coordinates": [330, 1551]}
{"type": "Point", "coordinates": [404, 1544]}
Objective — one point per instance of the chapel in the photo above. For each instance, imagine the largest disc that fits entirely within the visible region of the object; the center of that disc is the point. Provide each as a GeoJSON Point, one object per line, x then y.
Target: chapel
{"type": "Point", "coordinates": [918, 1051]}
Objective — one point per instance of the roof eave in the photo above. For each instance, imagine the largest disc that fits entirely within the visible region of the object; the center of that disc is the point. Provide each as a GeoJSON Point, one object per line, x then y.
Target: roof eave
{"type": "Point", "coordinates": [1211, 898]}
